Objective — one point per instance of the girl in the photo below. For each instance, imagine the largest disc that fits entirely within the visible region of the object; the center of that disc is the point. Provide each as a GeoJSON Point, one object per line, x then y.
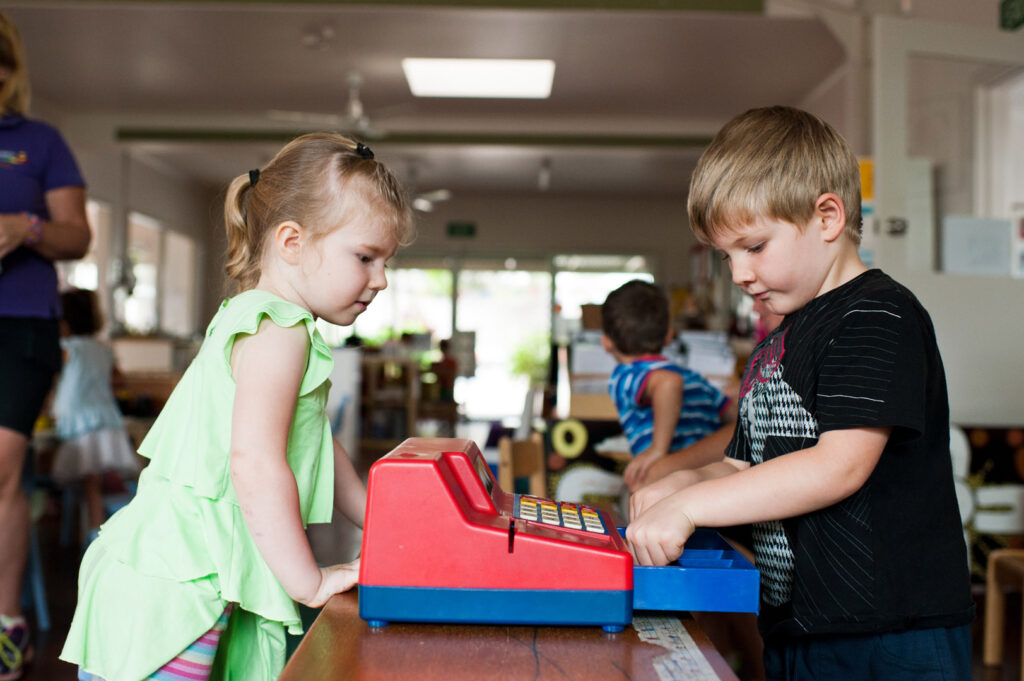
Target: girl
{"type": "Point", "coordinates": [89, 423]}
{"type": "Point", "coordinates": [242, 456]}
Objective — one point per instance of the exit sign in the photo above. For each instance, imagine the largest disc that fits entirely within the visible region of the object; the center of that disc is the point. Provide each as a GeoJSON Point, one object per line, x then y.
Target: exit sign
{"type": "Point", "coordinates": [462, 230]}
{"type": "Point", "coordinates": [1011, 14]}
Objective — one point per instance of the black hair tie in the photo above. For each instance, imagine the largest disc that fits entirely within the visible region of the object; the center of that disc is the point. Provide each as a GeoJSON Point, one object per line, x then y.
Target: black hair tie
{"type": "Point", "coordinates": [254, 177]}
{"type": "Point", "coordinates": [363, 151]}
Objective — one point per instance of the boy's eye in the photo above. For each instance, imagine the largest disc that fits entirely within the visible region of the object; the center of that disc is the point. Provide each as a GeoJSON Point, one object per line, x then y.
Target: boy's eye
{"type": "Point", "coordinates": [365, 259]}
{"type": "Point", "coordinates": [724, 257]}
{"type": "Point", "coordinates": [756, 249]}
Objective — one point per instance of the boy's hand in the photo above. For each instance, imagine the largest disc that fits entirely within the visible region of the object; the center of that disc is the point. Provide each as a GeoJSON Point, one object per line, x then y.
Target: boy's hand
{"type": "Point", "coordinates": [637, 469]}
{"type": "Point", "coordinates": [334, 579]}
{"type": "Point", "coordinates": [657, 537]}
{"type": "Point", "coordinates": [648, 496]}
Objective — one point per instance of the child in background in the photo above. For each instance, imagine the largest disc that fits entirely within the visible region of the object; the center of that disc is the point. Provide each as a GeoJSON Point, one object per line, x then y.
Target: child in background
{"type": "Point", "coordinates": [89, 422]}
{"type": "Point", "coordinates": [841, 454]}
{"type": "Point", "coordinates": [212, 550]}
{"type": "Point", "coordinates": [662, 406]}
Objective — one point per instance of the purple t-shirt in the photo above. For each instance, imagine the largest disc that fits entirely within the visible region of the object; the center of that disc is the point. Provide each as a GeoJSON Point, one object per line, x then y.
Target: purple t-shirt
{"type": "Point", "coordinates": [34, 159]}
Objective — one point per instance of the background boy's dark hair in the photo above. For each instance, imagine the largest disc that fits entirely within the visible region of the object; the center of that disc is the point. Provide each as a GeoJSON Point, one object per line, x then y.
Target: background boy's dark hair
{"type": "Point", "coordinates": [635, 318]}
{"type": "Point", "coordinates": [81, 313]}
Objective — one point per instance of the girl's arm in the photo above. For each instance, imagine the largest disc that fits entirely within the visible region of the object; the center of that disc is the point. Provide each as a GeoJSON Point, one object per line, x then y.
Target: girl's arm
{"type": "Point", "coordinates": [664, 390]}
{"type": "Point", "coordinates": [268, 368]}
{"type": "Point", "coordinates": [349, 491]}
{"type": "Point", "coordinates": [793, 484]}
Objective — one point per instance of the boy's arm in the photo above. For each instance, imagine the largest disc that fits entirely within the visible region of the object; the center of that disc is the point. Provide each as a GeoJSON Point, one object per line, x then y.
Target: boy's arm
{"type": "Point", "coordinates": [349, 491]}
{"type": "Point", "coordinates": [793, 484]}
{"type": "Point", "coordinates": [708, 449]}
{"type": "Point", "coordinates": [651, 494]}
{"type": "Point", "coordinates": [664, 390]}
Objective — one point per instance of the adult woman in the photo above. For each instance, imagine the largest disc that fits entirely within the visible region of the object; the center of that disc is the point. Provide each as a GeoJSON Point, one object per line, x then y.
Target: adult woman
{"type": "Point", "coordinates": [42, 219]}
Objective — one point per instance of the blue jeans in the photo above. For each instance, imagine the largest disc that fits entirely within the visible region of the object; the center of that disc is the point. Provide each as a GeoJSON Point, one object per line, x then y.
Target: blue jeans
{"type": "Point", "coordinates": [917, 655]}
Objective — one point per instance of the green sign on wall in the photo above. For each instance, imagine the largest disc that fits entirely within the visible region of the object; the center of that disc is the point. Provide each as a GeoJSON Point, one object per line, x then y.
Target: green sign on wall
{"type": "Point", "coordinates": [1011, 14]}
{"type": "Point", "coordinates": [462, 230]}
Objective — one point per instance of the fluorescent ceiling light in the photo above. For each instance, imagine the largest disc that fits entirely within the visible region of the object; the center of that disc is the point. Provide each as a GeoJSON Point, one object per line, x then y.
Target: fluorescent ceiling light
{"type": "Point", "coordinates": [512, 78]}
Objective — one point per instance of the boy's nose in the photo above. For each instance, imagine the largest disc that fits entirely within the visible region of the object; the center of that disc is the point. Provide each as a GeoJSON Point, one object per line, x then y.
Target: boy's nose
{"type": "Point", "coordinates": [741, 274]}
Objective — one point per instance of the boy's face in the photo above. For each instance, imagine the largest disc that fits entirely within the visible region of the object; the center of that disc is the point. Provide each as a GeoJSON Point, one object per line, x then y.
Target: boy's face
{"type": "Point", "coordinates": [777, 263]}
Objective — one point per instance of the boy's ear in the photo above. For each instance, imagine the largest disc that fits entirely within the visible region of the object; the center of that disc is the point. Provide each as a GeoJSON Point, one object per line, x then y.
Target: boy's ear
{"type": "Point", "coordinates": [607, 344]}
{"type": "Point", "coordinates": [288, 238]}
{"type": "Point", "coordinates": [829, 216]}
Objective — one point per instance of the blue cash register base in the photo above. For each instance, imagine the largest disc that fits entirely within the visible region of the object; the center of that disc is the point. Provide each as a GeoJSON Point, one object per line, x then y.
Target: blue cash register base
{"type": "Point", "coordinates": [443, 542]}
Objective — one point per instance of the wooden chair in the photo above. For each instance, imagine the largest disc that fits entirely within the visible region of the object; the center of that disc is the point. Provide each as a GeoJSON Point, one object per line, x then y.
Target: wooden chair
{"type": "Point", "coordinates": [522, 459]}
{"type": "Point", "coordinates": [1005, 569]}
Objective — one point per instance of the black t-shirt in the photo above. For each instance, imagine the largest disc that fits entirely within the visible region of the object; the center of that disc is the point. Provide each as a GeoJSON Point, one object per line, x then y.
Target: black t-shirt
{"type": "Point", "coordinates": [890, 557]}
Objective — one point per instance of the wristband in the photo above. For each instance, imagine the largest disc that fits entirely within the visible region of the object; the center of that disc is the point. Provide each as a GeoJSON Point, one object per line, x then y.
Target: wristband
{"type": "Point", "coordinates": [35, 230]}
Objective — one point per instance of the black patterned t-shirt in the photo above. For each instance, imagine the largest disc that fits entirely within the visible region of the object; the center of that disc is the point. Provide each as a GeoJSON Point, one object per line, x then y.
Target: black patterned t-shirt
{"type": "Point", "coordinates": [891, 556]}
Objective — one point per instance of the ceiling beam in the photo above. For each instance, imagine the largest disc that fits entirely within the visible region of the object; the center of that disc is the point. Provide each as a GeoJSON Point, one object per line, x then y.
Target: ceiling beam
{"type": "Point", "coordinates": [129, 134]}
{"type": "Point", "coordinates": [756, 6]}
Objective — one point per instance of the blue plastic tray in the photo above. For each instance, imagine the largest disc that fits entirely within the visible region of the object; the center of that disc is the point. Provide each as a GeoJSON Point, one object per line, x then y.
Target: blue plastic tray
{"type": "Point", "coordinates": [710, 576]}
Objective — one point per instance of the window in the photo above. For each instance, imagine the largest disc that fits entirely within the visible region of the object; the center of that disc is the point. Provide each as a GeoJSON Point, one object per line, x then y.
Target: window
{"type": "Point", "coordinates": [85, 273]}
{"type": "Point", "coordinates": [416, 300]}
{"type": "Point", "coordinates": [144, 251]}
{"type": "Point", "coordinates": [177, 281]}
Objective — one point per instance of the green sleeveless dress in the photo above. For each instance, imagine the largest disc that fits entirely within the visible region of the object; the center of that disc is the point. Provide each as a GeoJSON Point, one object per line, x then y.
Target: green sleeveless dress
{"type": "Point", "coordinates": [165, 566]}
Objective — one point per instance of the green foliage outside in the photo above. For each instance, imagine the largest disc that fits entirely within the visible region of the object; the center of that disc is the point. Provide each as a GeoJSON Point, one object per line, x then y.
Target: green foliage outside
{"type": "Point", "coordinates": [531, 358]}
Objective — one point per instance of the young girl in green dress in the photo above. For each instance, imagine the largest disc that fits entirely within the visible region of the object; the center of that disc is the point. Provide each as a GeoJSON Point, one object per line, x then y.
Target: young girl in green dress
{"type": "Point", "coordinates": [212, 553]}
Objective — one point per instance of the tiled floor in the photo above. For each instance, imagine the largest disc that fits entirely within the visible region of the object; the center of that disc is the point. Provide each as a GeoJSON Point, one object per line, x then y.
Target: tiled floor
{"type": "Point", "coordinates": [61, 566]}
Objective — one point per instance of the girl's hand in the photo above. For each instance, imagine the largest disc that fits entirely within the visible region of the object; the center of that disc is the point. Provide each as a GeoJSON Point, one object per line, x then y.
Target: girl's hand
{"type": "Point", "coordinates": [648, 496]}
{"type": "Point", "coordinates": [657, 537]}
{"type": "Point", "coordinates": [334, 579]}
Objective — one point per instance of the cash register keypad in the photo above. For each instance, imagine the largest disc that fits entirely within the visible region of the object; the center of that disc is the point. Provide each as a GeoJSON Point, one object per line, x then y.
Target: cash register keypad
{"type": "Point", "coordinates": [561, 514]}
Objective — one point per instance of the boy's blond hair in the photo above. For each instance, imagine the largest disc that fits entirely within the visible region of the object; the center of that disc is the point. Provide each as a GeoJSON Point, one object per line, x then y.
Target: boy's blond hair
{"type": "Point", "coordinates": [773, 162]}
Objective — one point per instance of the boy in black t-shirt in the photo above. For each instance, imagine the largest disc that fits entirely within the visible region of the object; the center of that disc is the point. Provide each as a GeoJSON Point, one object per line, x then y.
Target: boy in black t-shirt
{"type": "Point", "coordinates": [840, 457]}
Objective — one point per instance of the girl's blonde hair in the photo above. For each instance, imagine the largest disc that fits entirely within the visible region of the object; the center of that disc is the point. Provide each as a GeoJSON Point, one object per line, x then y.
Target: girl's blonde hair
{"type": "Point", "coordinates": [306, 182]}
{"type": "Point", "coordinates": [775, 163]}
{"type": "Point", "coordinates": [15, 93]}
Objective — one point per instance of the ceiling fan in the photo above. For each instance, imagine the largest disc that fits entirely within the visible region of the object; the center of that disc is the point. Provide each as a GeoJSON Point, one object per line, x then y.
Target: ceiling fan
{"type": "Point", "coordinates": [354, 120]}
{"type": "Point", "coordinates": [424, 201]}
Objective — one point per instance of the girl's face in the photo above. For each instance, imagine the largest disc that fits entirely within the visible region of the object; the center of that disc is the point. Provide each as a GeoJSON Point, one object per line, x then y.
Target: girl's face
{"type": "Point", "coordinates": [344, 269]}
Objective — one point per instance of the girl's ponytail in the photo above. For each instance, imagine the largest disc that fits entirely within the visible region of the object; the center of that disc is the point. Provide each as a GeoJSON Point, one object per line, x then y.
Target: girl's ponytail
{"type": "Point", "coordinates": [242, 263]}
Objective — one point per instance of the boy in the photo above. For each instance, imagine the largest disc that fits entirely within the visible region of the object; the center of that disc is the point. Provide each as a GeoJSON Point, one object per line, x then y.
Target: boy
{"type": "Point", "coordinates": [841, 452]}
{"type": "Point", "coordinates": [662, 407]}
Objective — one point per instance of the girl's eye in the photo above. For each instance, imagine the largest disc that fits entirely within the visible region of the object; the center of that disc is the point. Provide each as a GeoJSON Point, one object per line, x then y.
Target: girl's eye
{"type": "Point", "coordinates": [756, 249]}
{"type": "Point", "coordinates": [365, 259]}
{"type": "Point", "coordinates": [724, 257]}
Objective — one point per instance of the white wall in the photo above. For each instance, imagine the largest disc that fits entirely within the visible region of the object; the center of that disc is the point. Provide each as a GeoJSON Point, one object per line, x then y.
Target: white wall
{"type": "Point", "coordinates": [533, 225]}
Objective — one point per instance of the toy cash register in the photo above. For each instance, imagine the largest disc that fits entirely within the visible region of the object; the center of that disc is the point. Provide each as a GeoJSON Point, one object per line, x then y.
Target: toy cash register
{"type": "Point", "coordinates": [443, 542]}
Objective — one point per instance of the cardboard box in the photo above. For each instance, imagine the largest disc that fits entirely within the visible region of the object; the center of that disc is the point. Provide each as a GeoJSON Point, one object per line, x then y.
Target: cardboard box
{"type": "Point", "coordinates": [592, 407]}
{"type": "Point", "coordinates": [590, 317]}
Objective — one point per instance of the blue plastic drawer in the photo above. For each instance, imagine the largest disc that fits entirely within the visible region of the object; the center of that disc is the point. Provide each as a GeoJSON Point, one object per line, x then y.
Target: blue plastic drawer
{"type": "Point", "coordinates": [710, 576]}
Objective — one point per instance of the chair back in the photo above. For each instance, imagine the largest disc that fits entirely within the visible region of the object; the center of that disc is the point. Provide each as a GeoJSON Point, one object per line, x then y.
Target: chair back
{"type": "Point", "coordinates": [522, 459]}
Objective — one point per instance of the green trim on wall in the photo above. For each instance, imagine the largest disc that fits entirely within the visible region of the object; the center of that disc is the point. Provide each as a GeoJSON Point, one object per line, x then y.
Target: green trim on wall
{"type": "Point", "coordinates": [422, 138]}
{"type": "Point", "coordinates": [756, 6]}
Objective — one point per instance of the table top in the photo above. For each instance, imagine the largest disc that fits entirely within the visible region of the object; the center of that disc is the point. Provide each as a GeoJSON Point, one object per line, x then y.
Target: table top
{"type": "Point", "coordinates": [340, 646]}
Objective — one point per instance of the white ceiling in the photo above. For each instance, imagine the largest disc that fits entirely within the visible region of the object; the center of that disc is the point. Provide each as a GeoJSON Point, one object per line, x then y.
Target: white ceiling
{"type": "Point", "coordinates": [636, 95]}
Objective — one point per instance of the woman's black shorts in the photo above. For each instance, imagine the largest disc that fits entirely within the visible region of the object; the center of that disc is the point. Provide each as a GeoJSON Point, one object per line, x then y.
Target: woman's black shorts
{"type": "Point", "coordinates": [30, 357]}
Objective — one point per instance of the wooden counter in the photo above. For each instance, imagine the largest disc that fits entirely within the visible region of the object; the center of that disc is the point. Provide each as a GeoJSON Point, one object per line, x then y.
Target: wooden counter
{"type": "Point", "coordinates": [342, 647]}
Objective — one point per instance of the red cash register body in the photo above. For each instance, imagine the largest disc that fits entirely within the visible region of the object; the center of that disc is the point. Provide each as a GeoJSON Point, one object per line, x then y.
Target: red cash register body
{"type": "Point", "coordinates": [444, 543]}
